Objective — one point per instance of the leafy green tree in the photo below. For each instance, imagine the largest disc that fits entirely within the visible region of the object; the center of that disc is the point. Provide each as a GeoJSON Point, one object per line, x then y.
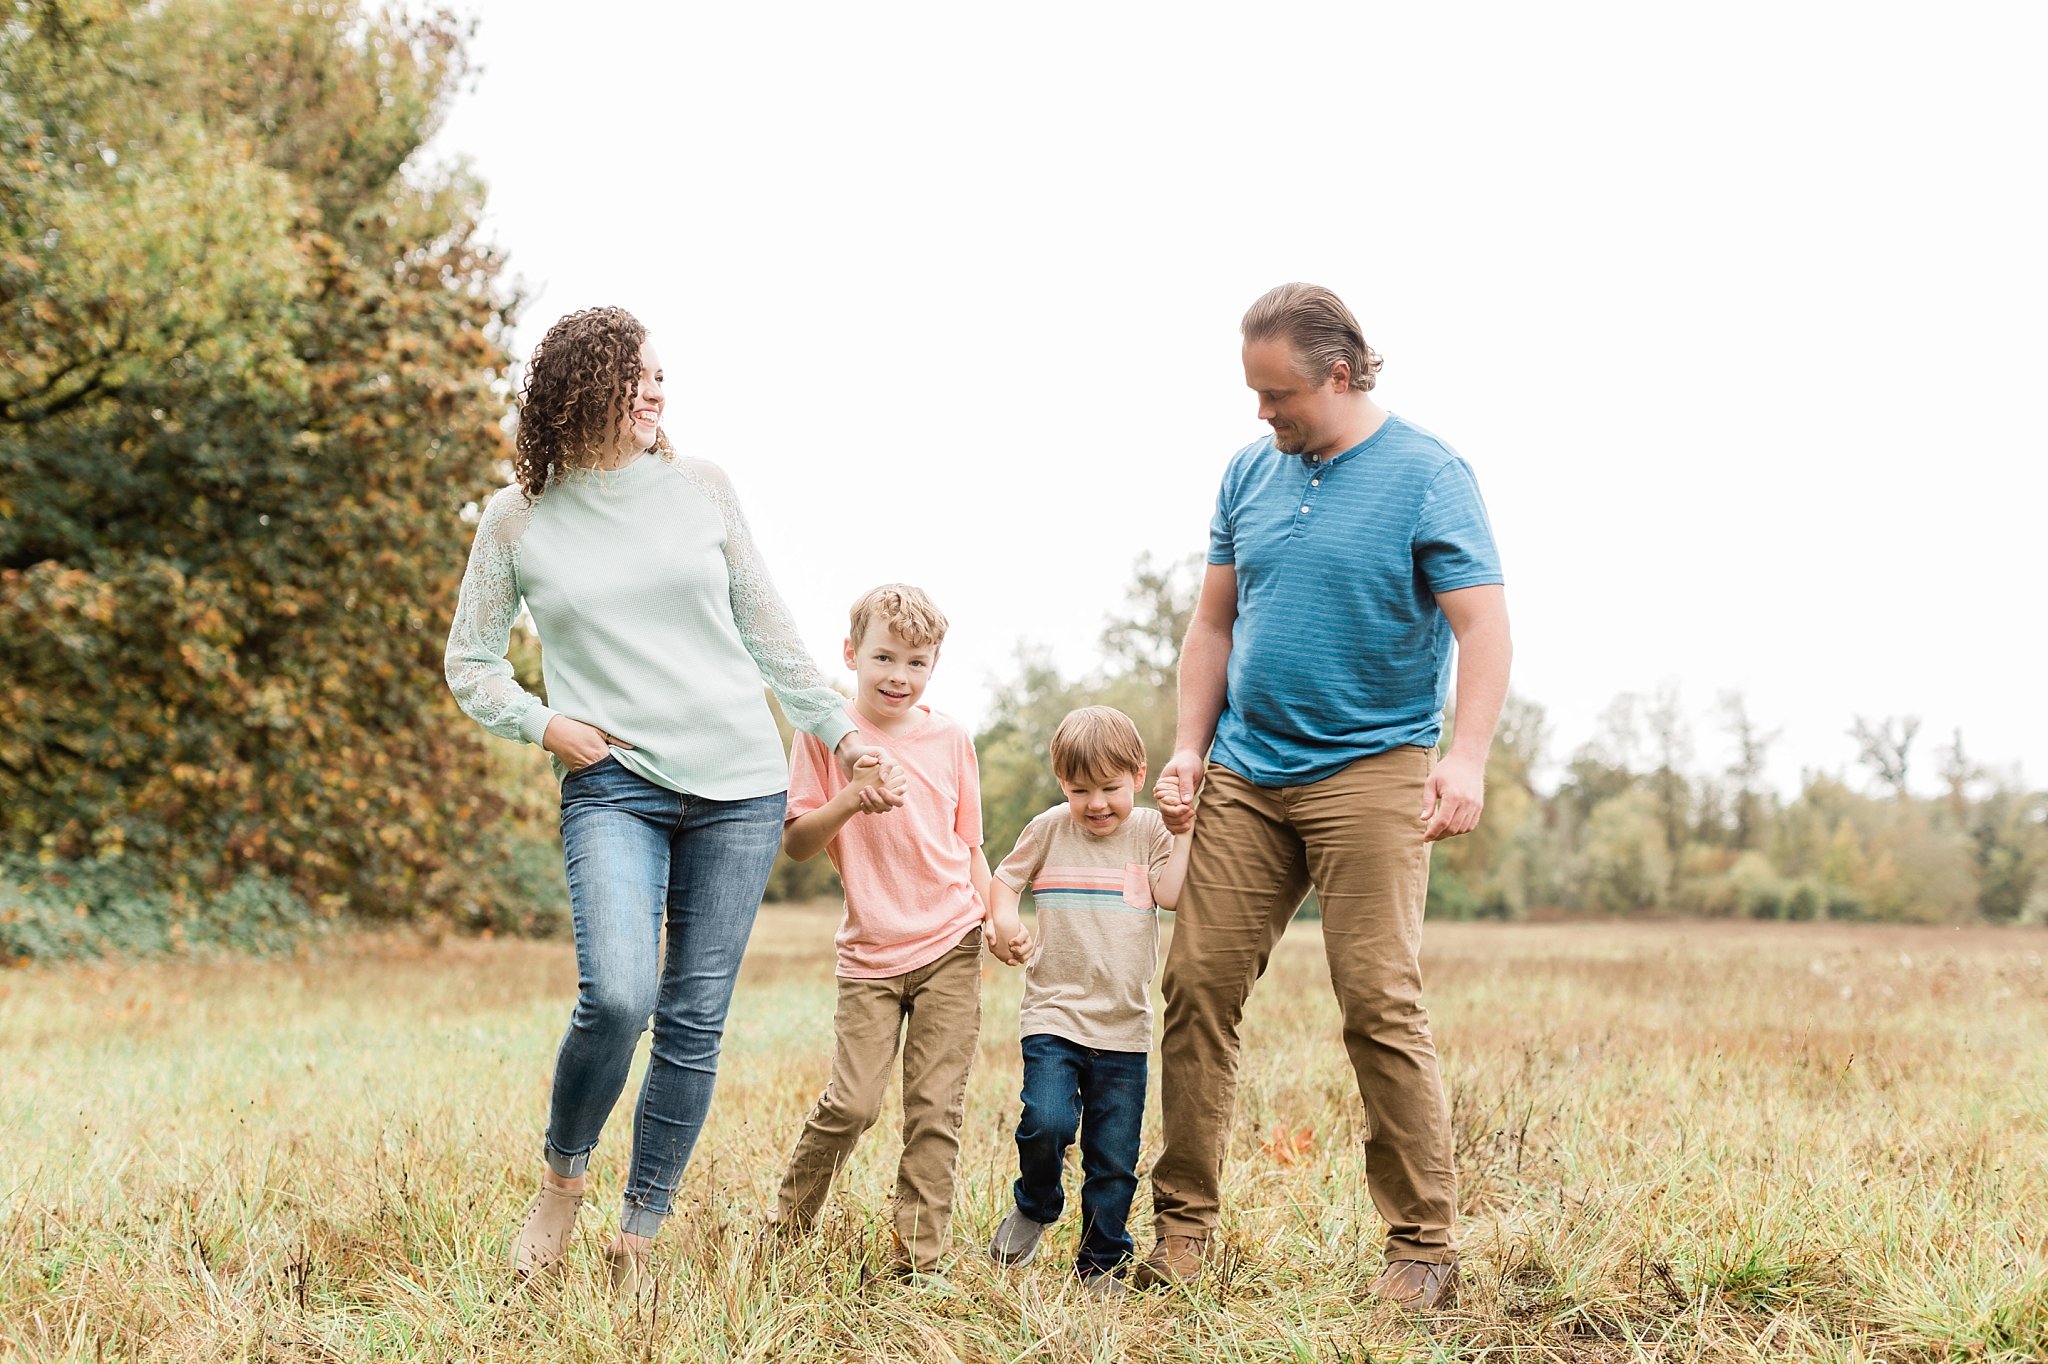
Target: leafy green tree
{"type": "Point", "coordinates": [1749, 802]}
{"type": "Point", "coordinates": [1886, 748]}
{"type": "Point", "coordinates": [2009, 850]}
{"type": "Point", "coordinates": [252, 367]}
{"type": "Point", "coordinates": [1671, 746]}
{"type": "Point", "coordinates": [135, 234]}
{"type": "Point", "coordinates": [1606, 764]}
{"type": "Point", "coordinates": [1506, 864]}
{"type": "Point", "coordinates": [1625, 864]}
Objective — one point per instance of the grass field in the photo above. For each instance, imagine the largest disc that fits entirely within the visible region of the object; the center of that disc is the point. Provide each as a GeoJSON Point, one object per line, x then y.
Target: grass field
{"type": "Point", "coordinates": [1676, 1141]}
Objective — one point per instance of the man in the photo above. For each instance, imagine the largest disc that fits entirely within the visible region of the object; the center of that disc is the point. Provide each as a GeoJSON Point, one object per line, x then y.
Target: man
{"type": "Point", "coordinates": [1348, 550]}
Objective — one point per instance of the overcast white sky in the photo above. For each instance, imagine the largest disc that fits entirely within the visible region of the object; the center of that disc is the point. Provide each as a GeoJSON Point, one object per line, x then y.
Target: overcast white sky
{"type": "Point", "coordinates": [1737, 310]}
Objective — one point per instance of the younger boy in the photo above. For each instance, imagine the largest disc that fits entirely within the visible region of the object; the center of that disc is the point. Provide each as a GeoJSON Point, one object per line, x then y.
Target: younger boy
{"type": "Point", "coordinates": [910, 944]}
{"type": "Point", "coordinates": [1096, 867]}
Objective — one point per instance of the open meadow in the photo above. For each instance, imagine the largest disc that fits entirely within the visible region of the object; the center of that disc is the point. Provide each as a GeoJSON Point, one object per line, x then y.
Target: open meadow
{"type": "Point", "coordinates": [1676, 1141]}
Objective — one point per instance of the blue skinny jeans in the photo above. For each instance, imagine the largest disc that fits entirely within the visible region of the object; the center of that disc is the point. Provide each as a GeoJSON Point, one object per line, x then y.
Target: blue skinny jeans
{"type": "Point", "coordinates": [640, 857]}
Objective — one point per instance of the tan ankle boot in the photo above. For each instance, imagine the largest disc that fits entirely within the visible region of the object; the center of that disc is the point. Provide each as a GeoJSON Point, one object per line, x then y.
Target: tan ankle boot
{"type": "Point", "coordinates": [631, 1273]}
{"type": "Point", "coordinates": [1174, 1259]}
{"type": "Point", "coordinates": [544, 1239]}
{"type": "Point", "coordinates": [1418, 1285]}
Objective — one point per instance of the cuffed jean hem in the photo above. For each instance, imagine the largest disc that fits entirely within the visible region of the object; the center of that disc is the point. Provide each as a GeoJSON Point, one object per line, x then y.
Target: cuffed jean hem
{"type": "Point", "coordinates": [635, 1220]}
{"type": "Point", "coordinates": [565, 1165]}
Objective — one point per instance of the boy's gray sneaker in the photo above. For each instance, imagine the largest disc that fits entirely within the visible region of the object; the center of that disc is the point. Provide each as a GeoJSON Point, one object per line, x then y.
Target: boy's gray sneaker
{"type": "Point", "coordinates": [1105, 1286]}
{"type": "Point", "coordinates": [1016, 1239]}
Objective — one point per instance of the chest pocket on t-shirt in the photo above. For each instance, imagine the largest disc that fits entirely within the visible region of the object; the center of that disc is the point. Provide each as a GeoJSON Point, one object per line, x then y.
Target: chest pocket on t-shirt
{"type": "Point", "coordinates": [1138, 885]}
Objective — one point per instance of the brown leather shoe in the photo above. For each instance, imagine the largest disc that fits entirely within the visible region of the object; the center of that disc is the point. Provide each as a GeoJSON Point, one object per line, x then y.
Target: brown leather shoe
{"type": "Point", "coordinates": [1417, 1285]}
{"type": "Point", "coordinates": [1174, 1260]}
{"type": "Point", "coordinates": [544, 1239]}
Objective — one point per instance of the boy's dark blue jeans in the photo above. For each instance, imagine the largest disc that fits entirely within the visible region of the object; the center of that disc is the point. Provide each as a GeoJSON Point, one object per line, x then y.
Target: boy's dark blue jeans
{"type": "Point", "coordinates": [1069, 1086]}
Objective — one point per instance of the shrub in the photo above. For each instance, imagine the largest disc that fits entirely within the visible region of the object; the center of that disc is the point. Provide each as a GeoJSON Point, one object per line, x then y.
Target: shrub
{"type": "Point", "coordinates": [56, 910]}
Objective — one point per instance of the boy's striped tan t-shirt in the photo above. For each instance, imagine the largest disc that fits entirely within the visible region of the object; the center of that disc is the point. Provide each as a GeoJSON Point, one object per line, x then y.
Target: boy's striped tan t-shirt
{"type": "Point", "coordinates": [1090, 979]}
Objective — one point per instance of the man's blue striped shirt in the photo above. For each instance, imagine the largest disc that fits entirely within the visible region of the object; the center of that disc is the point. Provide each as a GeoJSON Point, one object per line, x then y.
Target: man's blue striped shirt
{"type": "Point", "coordinates": [1340, 650]}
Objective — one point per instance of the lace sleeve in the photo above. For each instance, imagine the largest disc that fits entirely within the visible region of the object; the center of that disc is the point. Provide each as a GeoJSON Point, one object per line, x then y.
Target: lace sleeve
{"type": "Point", "coordinates": [478, 672]}
{"type": "Point", "coordinates": [765, 626]}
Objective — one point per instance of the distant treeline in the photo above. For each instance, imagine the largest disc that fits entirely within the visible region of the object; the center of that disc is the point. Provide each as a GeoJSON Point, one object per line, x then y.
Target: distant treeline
{"type": "Point", "coordinates": [1635, 824]}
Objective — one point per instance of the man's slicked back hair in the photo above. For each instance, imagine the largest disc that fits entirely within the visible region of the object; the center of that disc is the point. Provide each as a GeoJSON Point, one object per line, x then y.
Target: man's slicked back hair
{"type": "Point", "coordinates": [1320, 329]}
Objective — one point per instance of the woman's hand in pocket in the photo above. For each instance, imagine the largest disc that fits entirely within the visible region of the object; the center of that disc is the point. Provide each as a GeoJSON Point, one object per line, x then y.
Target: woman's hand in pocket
{"type": "Point", "coordinates": [578, 745]}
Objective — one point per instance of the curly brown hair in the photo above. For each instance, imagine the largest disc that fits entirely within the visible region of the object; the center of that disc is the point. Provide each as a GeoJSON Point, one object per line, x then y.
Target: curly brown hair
{"type": "Point", "coordinates": [579, 387]}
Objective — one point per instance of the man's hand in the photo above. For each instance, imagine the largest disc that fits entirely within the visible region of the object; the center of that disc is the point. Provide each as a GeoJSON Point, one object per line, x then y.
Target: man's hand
{"type": "Point", "coordinates": [1452, 798]}
{"type": "Point", "coordinates": [1175, 790]}
{"type": "Point", "coordinates": [578, 745]}
{"type": "Point", "coordinates": [876, 795]}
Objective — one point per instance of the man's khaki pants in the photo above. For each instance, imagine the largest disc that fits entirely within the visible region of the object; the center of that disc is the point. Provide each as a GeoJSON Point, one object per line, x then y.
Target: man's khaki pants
{"type": "Point", "coordinates": [935, 1012]}
{"type": "Point", "coordinates": [1356, 838]}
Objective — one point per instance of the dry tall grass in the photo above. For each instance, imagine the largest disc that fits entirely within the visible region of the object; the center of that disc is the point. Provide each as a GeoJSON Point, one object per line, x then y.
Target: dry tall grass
{"type": "Point", "coordinates": [1685, 1142]}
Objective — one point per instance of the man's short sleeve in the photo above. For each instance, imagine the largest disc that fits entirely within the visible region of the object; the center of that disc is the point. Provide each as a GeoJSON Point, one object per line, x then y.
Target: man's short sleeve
{"type": "Point", "coordinates": [1222, 539]}
{"type": "Point", "coordinates": [814, 777]}
{"type": "Point", "coordinates": [1453, 541]}
{"type": "Point", "coordinates": [967, 815]}
{"type": "Point", "coordinates": [1026, 858]}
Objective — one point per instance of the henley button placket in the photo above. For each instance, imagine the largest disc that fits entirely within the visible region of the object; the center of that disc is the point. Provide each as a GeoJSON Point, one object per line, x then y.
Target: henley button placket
{"type": "Point", "coordinates": [1308, 494]}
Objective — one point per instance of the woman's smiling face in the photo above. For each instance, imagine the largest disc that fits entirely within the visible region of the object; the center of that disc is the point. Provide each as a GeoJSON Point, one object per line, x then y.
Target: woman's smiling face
{"type": "Point", "coordinates": [642, 422]}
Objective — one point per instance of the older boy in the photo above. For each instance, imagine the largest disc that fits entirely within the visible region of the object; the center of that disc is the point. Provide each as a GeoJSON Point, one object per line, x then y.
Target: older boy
{"type": "Point", "coordinates": [1096, 867]}
{"type": "Point", "coordinates": [910, 944]}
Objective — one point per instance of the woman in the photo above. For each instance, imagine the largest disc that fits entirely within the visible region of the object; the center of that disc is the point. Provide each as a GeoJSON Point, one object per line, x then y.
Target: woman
{"type": "Point", "coordinates": [658, 625]}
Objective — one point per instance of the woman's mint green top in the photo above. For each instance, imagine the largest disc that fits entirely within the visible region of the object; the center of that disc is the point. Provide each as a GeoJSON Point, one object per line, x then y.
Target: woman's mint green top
{"type": "Point", "coordinates": [658, 624]}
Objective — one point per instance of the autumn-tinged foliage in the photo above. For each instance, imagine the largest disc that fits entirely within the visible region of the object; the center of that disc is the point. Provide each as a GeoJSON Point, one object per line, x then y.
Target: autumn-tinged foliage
{"type": "Point", "coordinates": [251, 370]}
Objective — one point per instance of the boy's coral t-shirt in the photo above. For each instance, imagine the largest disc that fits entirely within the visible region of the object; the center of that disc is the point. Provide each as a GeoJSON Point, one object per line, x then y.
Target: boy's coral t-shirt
{"type": "Point", "coordinates": [909, 896]}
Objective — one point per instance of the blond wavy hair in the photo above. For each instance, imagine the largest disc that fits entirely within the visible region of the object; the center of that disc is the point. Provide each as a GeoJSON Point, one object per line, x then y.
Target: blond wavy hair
{"type": "Point", "coordinates": [914, 617]}
{"type": "Point", "coordinates": [1321, 330]}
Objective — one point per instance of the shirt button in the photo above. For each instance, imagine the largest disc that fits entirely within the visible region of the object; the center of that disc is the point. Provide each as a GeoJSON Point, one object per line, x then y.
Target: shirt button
{"type": "Point", "coordinates": [1315, 483]}
{"type": "Point", "coordinates": [1304, 509]}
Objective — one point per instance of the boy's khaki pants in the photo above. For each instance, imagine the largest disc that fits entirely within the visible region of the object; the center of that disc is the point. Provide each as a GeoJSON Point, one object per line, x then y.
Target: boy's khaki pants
{"type": "Point", "coordinates": [935, 1012]}
{"type": "Point", "coordinates": [1355, 836]}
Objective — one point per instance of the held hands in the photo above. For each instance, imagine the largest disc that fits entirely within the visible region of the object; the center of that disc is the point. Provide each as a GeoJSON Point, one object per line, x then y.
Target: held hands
{"type": "Point", "coordinates": [877, 782]}
{"type": "Point", "coordinates": [1009, 941]}
{"type": "Point", "coordinates": [1166, 791]}
{"type": "Point", "coordinates": [578, 745]}
{"type": "Point", "coordinates": [1175, 791]}
{"type": "Point", "coordinates": [1452, 798]}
